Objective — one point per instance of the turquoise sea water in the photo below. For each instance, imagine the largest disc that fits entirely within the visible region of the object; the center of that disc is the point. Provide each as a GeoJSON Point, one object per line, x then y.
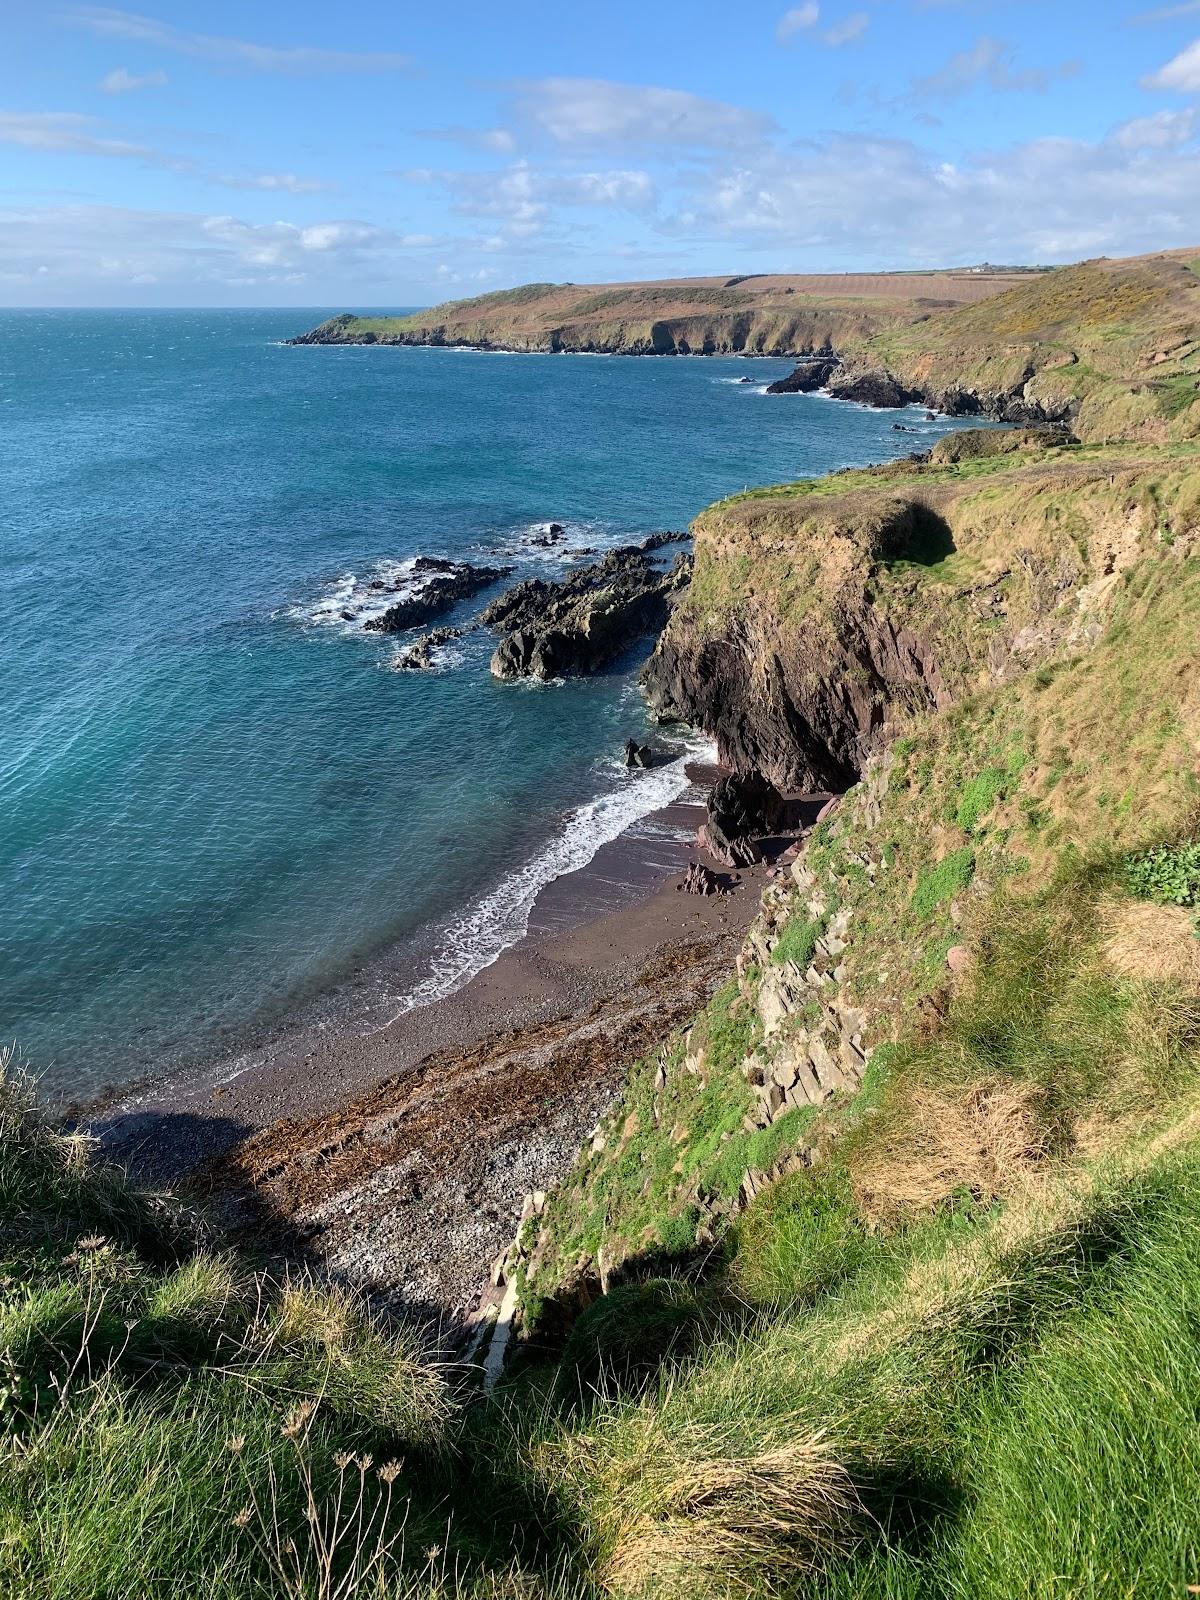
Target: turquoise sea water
{"type": "Point", "coordinates": [216, 797]}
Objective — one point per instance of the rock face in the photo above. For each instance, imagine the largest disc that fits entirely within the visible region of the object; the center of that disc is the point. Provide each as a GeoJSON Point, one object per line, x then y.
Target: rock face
{"type": "Point", "coordinates": [443, 584]}
{"type": "Point", "coordinates": [874, 388]}
{"type": "Point", "coordinates": [569, 629]}
{"type": "Point", "coordinates": [741, 809]}
{"type": "Point", "coordinates": [814, 706]}
{"type": "Point", "coordinates": [808, 376]}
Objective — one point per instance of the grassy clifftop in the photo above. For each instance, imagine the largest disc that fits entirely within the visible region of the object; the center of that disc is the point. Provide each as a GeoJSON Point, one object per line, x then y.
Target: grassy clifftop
{"type": "Point", "coordinates": [1112, 346]}
{"type": "Point", "coordinates": [763, 315]}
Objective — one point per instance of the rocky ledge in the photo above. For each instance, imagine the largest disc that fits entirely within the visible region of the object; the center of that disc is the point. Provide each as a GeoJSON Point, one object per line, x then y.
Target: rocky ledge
{"type": "Point", "coordinates": [442, 584]}
{"type": "Point", "coordinates": [808, 376]}
{"type": "Point", "coordinates": [572, 628]}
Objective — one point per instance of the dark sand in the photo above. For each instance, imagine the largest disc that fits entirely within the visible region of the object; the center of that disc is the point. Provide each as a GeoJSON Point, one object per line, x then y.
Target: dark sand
{"type": "Point", "coordinates": [398, 1158]}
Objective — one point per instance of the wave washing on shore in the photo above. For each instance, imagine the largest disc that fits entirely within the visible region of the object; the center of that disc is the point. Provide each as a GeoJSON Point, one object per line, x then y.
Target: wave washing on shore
{"type": "Point", "coordinates": [477, 938]}
{"type": "Point", "coordinates": [221, 802]}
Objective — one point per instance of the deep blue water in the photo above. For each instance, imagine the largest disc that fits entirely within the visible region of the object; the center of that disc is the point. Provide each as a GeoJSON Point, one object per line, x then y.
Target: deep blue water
{"type": "Point", "coordinates": [216, 798]}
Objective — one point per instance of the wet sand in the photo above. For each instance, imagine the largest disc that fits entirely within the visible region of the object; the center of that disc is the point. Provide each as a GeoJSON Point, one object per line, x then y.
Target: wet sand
{"type": "Point", "coordinates": [398, 1159]}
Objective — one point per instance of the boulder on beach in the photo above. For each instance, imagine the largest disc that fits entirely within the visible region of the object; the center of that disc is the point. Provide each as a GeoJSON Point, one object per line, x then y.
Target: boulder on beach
{"type": "Point", "coordinates": [742, 808]}
{"type": "Point", "coordinates": [699, 879]}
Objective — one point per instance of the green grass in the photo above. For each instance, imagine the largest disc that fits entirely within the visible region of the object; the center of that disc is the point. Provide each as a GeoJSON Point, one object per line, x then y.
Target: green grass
{"type": "Point", "coordinates": [938, 884]}
{"type": "Point", "coordinates": [131, 1355]}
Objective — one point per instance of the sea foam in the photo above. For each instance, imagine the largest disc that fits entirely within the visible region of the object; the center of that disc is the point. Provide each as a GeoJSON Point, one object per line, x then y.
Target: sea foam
{"type": "Point", "coordinates": [480, 935]}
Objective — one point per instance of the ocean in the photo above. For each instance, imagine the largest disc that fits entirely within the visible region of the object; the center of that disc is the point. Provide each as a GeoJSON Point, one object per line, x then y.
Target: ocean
{"type": "Point", "coordinates": [218, 798]}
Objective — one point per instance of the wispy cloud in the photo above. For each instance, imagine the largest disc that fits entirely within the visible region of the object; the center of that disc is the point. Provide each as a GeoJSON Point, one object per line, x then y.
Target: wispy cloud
{"type": "Point", "coordinates": [594, 111]}
{"type": "Point", "coordinates": [496, 141]}
{"type": "Point", "coordinates": [70, 133]}
{"type": "Point", "coordinates": [804, 19]}
{"type": "Point", "coordinates": [1181, 74]}
{"type": "Point", "coordinates": [1162, 131]}
{"type": "Point", "coordinates": [990, 62]}
{"type": "Point", "coordinates": [848, 29]}
{"type": "Point", "coordinates": [1187, 8]}
{"type": "Point", "coordinates": [121, 81]}
{"type": "Point", "coordinates": [797, 20]}
{"type": "Point", "coordinates": [114, 24]}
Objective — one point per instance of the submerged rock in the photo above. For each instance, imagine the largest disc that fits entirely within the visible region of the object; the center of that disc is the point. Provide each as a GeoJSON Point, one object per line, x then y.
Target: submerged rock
{"type": "Point", "coordinates": [418, 656]}
{"type": "Point", "coordinates": [553, 630]}
{"type": "Point", "coordinates": [444, 584]}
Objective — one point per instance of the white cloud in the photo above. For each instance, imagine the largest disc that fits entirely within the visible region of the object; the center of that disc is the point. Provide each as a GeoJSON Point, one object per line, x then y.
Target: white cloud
{"type": "Point", "coordinates": [121, 81]}
{"type": "Point", "coordinates": [1158, 132]}
{"type": "Point", "coordinates": [797, 20]}
{"type": "Point", "coordinates": [521, 200]}
{"type": "Point", "coordinates": [594, 111]}
{"type": "Point", "coordinates": [115, 24]}
{"type": "Point", "coordinates": [861, 202]}
{"type": "Point", "coordinates": [1181, 74]}
{"type": "Point", "coordinates": [115, 255]}
{"type": "Point", "coordinates": [804, 19]}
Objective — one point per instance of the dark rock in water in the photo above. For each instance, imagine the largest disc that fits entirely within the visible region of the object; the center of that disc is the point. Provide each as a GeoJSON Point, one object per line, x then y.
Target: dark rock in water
{"type": "Point", "coordinates": [656, 541]}
{"type": "Point", "coordinates": [741, 809]}
{"type": "Point", "coordinates": [931, 416]}
{"type": "Point", "coordinates": [877, 389]}
{"type": "Point", "coordinates": [808, 376]}
{"type": "Point", "coordinates": [638, 755]}
{"type": "Point", "coordinates": [747, 380]}
{"type": "Point", "coordinates": [553, 533]}
{"type": "Point", "coordinates": [446, 583]}
{"type": "Point", "coordinates": [553, 630]}
{"type": "Point", "coordinates": [418, 656]}
{"type": "Point", "coordinates": [699, 879]}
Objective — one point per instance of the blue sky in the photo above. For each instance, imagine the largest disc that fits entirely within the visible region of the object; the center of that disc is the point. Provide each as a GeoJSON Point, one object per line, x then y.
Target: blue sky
{"type": "Point", "coordinates": [373, 154]}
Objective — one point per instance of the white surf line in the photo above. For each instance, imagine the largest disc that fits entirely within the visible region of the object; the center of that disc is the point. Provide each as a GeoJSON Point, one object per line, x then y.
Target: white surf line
{"type": "Point", "coordinates": [501, 919]}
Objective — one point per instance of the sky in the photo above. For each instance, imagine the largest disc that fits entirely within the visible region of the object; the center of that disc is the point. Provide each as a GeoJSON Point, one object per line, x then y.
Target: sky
{"type": "Point", "coordinates": [266, 153]}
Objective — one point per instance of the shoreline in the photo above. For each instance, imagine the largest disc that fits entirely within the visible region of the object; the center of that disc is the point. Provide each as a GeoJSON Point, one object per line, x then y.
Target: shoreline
{"type": "Point", "coordinates": [399, 1160]}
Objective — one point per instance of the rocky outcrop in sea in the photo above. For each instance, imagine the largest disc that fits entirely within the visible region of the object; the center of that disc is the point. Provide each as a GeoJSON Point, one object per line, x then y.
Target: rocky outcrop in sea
{"type": "Point", "coordinates": [572, 628]}
{"type": "Point", "coordinates": [442, 584]}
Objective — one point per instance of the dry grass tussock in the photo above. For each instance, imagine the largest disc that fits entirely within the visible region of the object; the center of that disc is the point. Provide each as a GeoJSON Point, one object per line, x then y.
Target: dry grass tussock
{"type": "Point", "coordinates": [982, 1140]}
{"type": "Point", "coordinates": [679, 1511]}
{"type": "Point", "coordinates": [1053, 1202]}
{"type": "Point", "coordinates": [1154, 944]}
